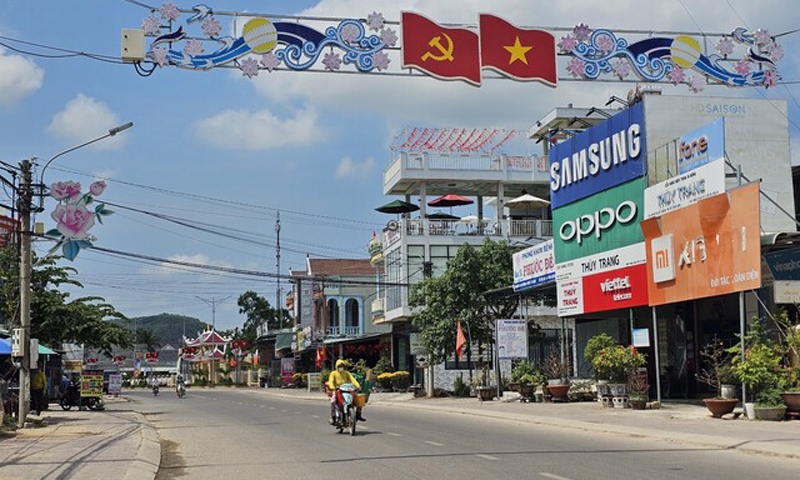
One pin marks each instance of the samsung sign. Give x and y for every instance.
(606, 155)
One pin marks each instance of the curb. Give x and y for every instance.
(148, 455)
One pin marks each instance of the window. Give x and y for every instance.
(333, 316)
(414, 263)
(440, 255)
(351, 316)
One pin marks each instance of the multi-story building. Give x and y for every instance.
(331, 303)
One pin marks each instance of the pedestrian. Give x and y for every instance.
(38, 386)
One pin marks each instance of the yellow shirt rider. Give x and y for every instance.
(336, 379)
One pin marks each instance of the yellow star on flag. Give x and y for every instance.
(517, 52)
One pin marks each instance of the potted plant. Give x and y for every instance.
(769, 404)
(594, 346)
(791, 395)
(556, 372)
(638, 392)
(760, 371)
(527, 377)
(715, 373)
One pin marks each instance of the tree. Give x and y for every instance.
(54, 318)
(148, 338)
(259, 312)
(459, 294)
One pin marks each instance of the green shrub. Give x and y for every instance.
(460, 389)
(593, 347)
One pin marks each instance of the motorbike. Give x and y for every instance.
(72, 398)
(155, 390)
(345, 409)
(180, 390)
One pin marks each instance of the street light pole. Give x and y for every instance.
(25, 206)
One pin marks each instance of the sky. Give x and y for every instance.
(216, 150)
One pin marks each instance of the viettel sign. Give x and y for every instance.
(603, 222)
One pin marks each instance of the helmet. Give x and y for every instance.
(341, 363)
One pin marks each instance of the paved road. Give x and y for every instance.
(222, 432)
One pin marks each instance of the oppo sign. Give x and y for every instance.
(594, 224)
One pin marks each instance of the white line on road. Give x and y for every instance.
(284, 410)
(263, 406)
(392, 434)
(486, 457)
(272, 408)
(553, 476)
(434, 443)
(314, 416)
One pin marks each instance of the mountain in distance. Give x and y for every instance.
(168, 328)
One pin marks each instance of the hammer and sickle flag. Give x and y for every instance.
(518, 53)
(445, 53)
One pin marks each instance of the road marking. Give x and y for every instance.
(263, 406)
(297, 413)
(486, 457)
(272, 408)
(314, 416)
(434, 443)
(553, 476)
(284, 410)
(392, 434)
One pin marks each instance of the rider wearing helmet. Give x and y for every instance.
(336, 379)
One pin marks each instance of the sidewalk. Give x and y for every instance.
(116, 443)
(675, 421)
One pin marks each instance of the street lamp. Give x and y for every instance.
(25, 206)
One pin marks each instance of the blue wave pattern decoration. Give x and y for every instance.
(653, 59)
(297, 46)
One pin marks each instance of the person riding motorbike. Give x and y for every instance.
(153, 382)
(335, 380)
(180, 386)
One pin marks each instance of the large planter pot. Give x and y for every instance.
(486, 393)
(792, 400)
(527, 392)
(770, 413)
(558, 392)
(637, 403)
(720, 406)
(557, 381)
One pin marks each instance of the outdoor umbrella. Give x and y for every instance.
(442, 216)
(450, 200)
(398, 206)
(527, 201)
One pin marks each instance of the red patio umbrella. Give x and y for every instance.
(450, 200)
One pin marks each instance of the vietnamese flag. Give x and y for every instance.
(446, 53)
(461, 340)
(518, 53)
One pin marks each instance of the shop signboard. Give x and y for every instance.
(114, 384)
(287, 371)
(533, 266)
(785, 268)
(707, 249)
(683, 190)
(701, 146)
(512, 339)
(602, 222)
(92, 383)
(605, 281)
(599, 158)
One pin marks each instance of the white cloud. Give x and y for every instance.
(173, 269)
(84, 119)
(348, 168)
(262, 130)
(20, 78)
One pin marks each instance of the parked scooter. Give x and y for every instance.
(345, 410)
(72, 398)
(155, 390)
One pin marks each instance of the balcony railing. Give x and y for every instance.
(513, 228)
(336, 331)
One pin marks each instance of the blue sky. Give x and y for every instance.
(218, 149)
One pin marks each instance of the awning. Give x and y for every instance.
(331, 341)
(5, 348)
(46, 351)
(283, 340)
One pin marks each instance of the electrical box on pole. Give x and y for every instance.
(16, 349)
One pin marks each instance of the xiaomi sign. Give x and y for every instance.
(706, 249)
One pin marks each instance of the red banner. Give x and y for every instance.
(446, 53)
(518, 53)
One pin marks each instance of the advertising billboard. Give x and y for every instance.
(533, 266)
(605, 281)
(701, 146)
(710, 248)
(601, 157)
(605, 221)
(683, 190)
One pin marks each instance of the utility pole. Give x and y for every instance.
(25, 200)
(213, 302)
(278, 311)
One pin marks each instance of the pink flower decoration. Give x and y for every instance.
(581, 32)
(211, 26)
(332, 61)
(725, 46)
(193, 48)
(762, 36)
(375, 21)
(382, 61)
(697, 83)
(270, 61)
(73, 220)
(576, 67)
(350, 33)
(775, 52)
(677, 75)
(568, 43)
(97, 188)
(770, 78)
(605, 43)
(151, 25)
(249, 68)
(159, 56)
(621, 67)
(169, 11)
(65, 190)
(742, 67)
(388, 37)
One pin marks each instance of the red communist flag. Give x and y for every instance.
(447, 53)
(461, 340)
(518, 53)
